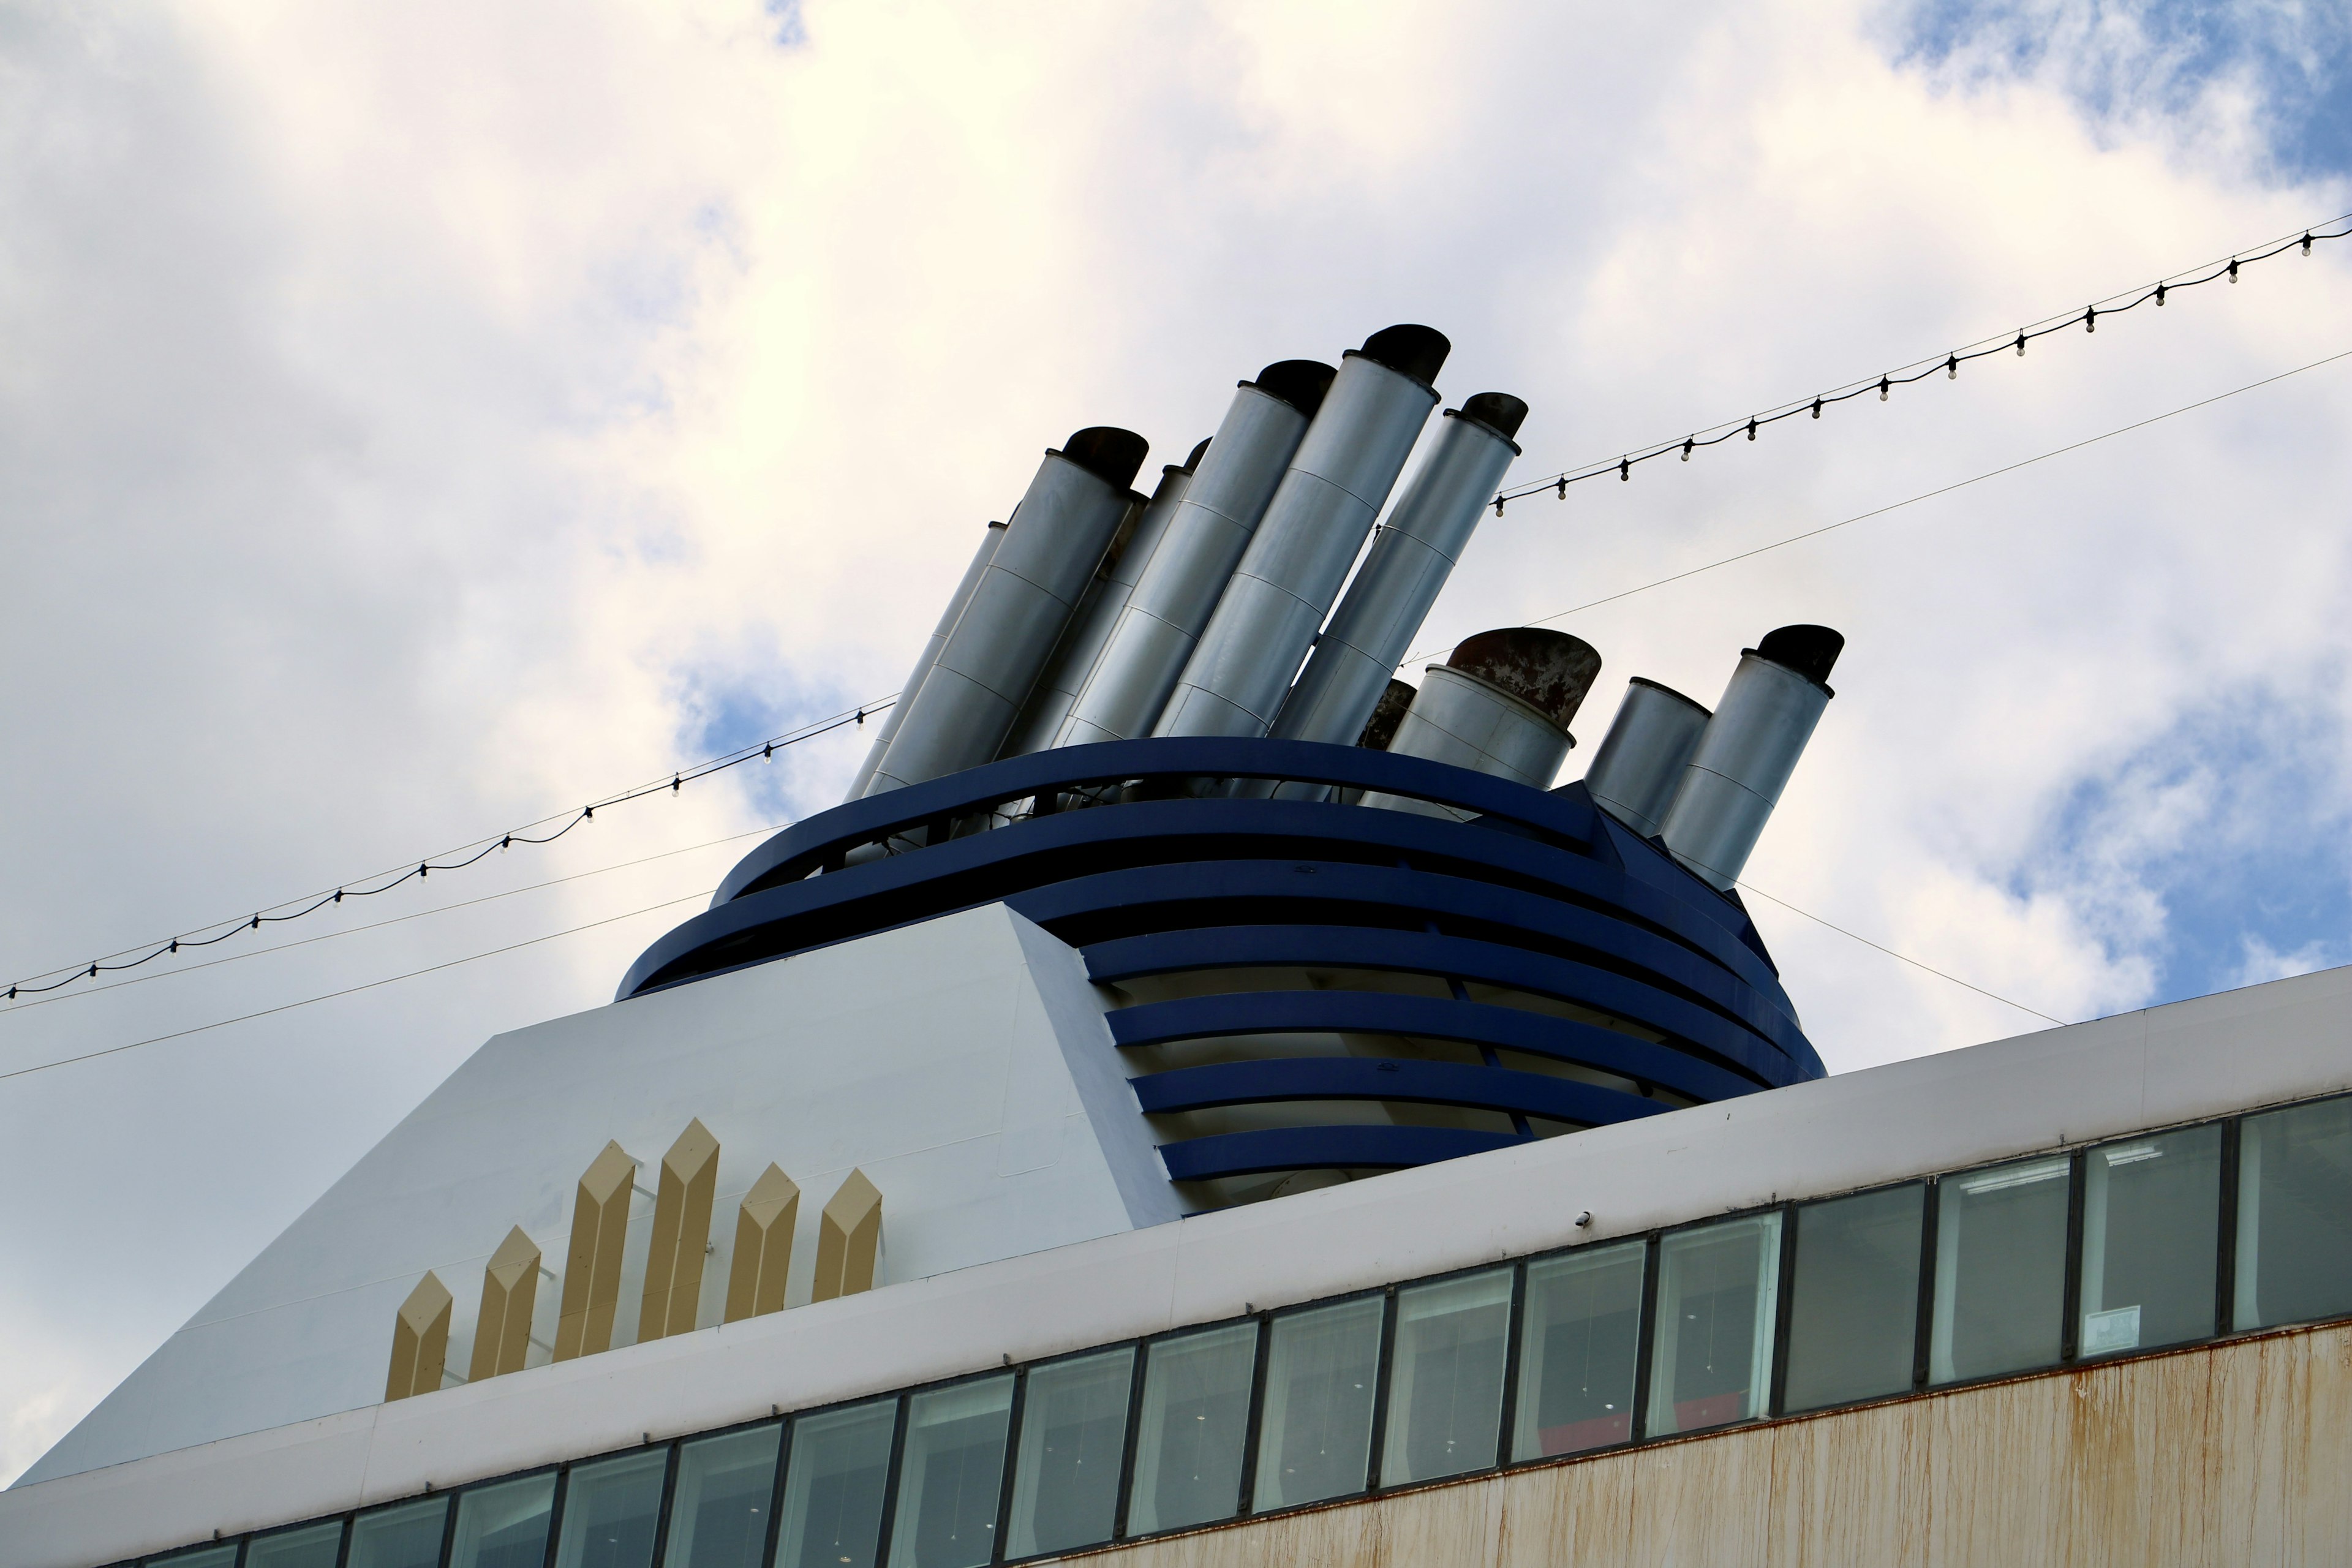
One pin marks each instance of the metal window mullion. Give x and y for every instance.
(776, 1493)
(1923, 1328)
(661, 1515)
(1385, 1370)
(1784, 1309)
(343, 1546)
(1513, 1329)
(1012, 1417)
(1134, 1429)
(554, 1515)
(2077, 1180)
(2225, 1235)
(1646, 1327)
(450, 1525)
(902, 1416)
(1256, 1412)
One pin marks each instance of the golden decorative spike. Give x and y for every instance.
(420, 1340)
(591, 1275)
(848, 1237)
(689, 1180)
(509, 1295)
(764, 1245)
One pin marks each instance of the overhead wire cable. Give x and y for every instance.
(1949, 361)
(395, 920)
(346, 991)
(1922, 496)
(1938, 973)
(221, 931)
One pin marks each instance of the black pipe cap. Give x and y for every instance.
(1301, 383)
(1497, 411)
(1811, 651)
(1112, 455)
(1408, 350)
(1193, 461)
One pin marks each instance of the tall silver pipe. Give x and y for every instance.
(1179, 589)
(914, 681)
(1017, 611)
(1500, 704)
(1750, 747)
(1074, 659)
(1411, 558)
(1638, 763)
(1235, 682)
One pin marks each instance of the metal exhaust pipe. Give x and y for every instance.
(1387, 714)
(1749, 748)
(1639, 764)
(1017, 611)
(914, 681)
(1234, 681)
(1412, 556)
(1500, 704)
(1089, 633)
(1211, 527)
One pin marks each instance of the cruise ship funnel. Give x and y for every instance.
(930, 655)
(1748, 750)
(1638, 763)
(1178, 589)
(1411, 556)
(1017, 611)
(1500, 704)
(1235, 680)
(1107, 598)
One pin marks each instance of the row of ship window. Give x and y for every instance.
(2128, 1246)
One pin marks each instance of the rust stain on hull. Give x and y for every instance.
(2223, 1455)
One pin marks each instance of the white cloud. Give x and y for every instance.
(418, 419)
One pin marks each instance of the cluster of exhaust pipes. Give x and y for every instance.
(1095, 613)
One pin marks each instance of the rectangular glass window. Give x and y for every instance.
(719, 1518)
(1315, 1439)
(2294, 1215)
(407, 1536)
(1187, 1451)
(1445, 1380)
(310, 1546)
(2001, 1270)
(504, 1526)
(1854, 1298)
(1711, 1356)
(1073, 1433)
(221, 1556)
(1583, 1334)
(2151, 1230)
(611, 1510)
(833, 1486)
(952, 1475)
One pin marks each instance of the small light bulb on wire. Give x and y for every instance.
(2021, 345)
(2159, 296)
(1883, 384)
(1752, 426)
(1817, 408)
(1688, 442)
(1951, 367)
(2233, 269)
(2091, 317)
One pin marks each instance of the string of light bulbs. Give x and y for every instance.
(2087, 318)
(455, 860)
(2335, 228)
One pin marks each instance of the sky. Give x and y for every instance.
(418, 420)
